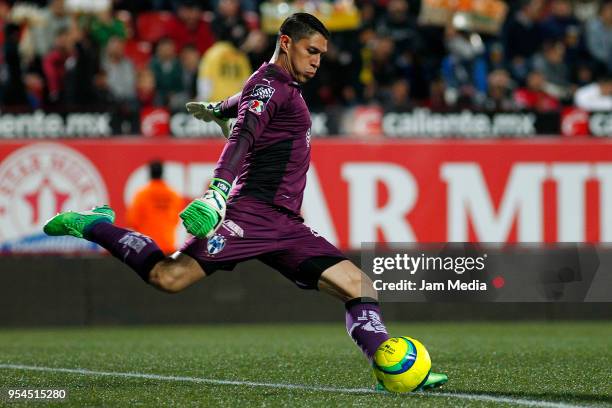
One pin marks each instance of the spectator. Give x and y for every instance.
(257, 47)
(349, 97)
(354, 62)
(120, 78)
(575, 52)
(519, 68)
(398, 99)
(35, 90)
(464, 69)
(408, 68)
(5, 10)
(368, 14)
(54, 64)
(378, 67)
(223, 70)
(390, 51)
(145, 88)
(559, 21)
(551, 63)
(228, 23)
(437, 95)
(521, 37)
(599, 36)
(399, 25)
(533, 95)
(53, 20)
(13, 89)
(596, 96)
(102, 91)
(499, 92)
(246, 5)
(583, 74)
(326, 86)
(104, 26)
(496, 56)
(190, 28)
(155, 208)
(119, 71)
(81, 69)
(167, 70)
(190, 58)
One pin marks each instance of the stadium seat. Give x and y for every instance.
(153, 25)
(139, 52)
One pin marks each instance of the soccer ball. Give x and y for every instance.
(401, 364)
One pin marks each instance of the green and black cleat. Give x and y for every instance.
(74, 223)
(434, 380)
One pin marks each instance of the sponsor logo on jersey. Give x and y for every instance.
(256, 106)
(216, 243)
(315, 233)
(261, 95)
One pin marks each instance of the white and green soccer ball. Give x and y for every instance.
(401, 364)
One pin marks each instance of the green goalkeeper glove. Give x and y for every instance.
(203, 216)
(210, 111)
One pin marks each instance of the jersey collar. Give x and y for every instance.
(280, 73)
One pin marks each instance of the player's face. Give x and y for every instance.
(305, 56)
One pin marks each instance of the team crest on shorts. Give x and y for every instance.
(216, 243)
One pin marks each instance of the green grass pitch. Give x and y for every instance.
(489, 364)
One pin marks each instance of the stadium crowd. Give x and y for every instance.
(133, 54)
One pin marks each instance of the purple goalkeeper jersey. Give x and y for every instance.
(269, 148)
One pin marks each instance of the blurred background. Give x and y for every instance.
(129, 58)
(432, 121)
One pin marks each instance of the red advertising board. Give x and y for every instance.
(503, 191)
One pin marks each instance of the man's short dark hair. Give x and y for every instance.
(302, 25)
(156, 170)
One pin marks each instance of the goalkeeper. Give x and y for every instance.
(267, 156)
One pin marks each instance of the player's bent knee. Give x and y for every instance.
(162, 279)
(174, 274)
(170, 284)
(346, 281)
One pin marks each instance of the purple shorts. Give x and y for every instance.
(279, 238)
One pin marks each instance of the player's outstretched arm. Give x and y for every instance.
(209, 111)
(219, 112)
(204, 215)
(229, 107)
